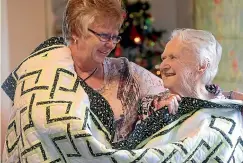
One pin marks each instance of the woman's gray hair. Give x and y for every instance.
(205, 46)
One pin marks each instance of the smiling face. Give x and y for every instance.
(178, 67)
(91, 49)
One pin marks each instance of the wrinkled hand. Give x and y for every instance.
(171, 102)
(234, 95)
(237, 96)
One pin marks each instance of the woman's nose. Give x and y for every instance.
(110, 44)
(164, 66)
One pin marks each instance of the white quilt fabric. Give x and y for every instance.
(52, 121)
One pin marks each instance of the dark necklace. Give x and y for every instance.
(90, 75)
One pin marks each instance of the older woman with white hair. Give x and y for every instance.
(207, 127)
(190, 62)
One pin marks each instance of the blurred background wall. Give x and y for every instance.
(225, 20)
(23, 26)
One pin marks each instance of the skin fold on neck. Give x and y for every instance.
(198, 91)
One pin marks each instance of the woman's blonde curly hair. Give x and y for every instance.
(80, 14)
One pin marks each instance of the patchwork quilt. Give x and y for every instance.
(57, 117)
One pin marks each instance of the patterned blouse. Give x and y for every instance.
(126, 83)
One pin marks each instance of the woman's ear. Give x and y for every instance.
(202, 68)
(74, 39)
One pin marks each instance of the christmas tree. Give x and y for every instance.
(140, 43)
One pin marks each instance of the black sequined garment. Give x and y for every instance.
(161, 118)
(101, 108)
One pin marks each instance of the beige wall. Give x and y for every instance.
(171, 14)
(27, 28)
(5, 102)
(184, 16)
(23, 27)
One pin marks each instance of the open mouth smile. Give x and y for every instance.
(169, 74)
(105, 53)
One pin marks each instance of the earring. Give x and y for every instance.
(75, 41)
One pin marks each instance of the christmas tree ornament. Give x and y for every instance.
(140, 43)
(118, 51)
(137, 40)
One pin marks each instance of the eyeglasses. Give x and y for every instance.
(107, 37)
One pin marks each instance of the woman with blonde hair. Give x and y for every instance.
(91, 30)
(54, 81)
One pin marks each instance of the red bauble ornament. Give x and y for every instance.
(135, 36)
(118, 51)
